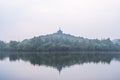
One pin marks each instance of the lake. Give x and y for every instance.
(59, 66)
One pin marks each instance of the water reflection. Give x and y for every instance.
(59, 61)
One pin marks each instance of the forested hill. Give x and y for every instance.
(60, 42)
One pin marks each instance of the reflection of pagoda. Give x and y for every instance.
(59, 31)
(59, 68)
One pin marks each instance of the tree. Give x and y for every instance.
(2, 45)
(13, 45)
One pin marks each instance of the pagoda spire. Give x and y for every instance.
(59, 28)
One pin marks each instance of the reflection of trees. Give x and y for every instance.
(59, 61)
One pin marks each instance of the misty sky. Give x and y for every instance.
(21, 19)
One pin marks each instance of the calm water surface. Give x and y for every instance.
(43, 66)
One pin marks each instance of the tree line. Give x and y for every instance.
(60, 42)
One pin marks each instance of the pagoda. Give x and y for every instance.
(60, 31)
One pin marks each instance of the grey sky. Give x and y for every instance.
(21, 19)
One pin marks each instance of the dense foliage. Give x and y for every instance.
(60, 42)
(116, 41)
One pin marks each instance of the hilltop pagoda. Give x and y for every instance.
(60, 31)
